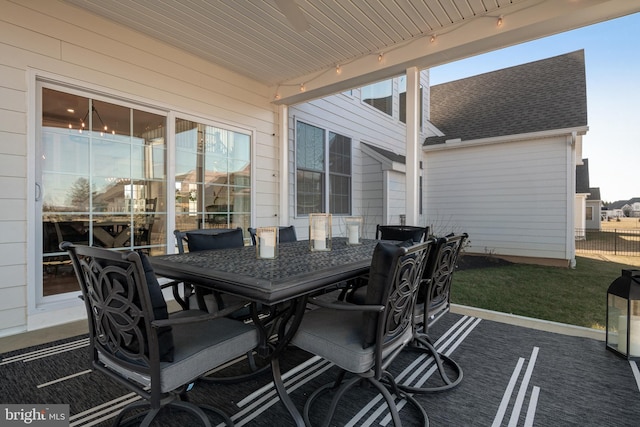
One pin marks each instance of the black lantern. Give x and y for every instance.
(623, 315)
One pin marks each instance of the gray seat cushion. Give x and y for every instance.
(337, 336)
(198, 348)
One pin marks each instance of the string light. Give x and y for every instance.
(433, 38)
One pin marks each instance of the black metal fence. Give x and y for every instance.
(613, 242)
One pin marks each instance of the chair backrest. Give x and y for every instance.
(394, 279)
(182, 236)
(120, 308)
(402, 232)
(438, 275)
(285, 234)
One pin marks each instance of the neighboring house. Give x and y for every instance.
(593, 211)
(624, 208)
(633, 210)
(505, 168)
(582, 193)
(526, 194)
(608, 214)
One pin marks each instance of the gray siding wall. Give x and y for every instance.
(512, 198)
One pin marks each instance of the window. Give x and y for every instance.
(323, 160)
(213, 177)
(589, 213)
(379, 95)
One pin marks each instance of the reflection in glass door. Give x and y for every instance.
(102, 173)
(213, 177)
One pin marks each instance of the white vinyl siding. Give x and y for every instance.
(510, 197)
(58, 42)
(348, 116)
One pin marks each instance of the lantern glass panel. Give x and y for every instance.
(617, 314)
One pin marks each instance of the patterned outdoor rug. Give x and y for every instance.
(512, 376)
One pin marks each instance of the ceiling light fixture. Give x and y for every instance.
(302, 87)
(433, 38)
(380, 57)
(500, 21)
(338, 69)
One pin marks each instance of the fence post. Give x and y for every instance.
(615, 241)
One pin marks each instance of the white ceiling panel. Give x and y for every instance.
(254, 37)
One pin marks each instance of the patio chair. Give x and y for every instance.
(134, 341)
(213, 301)
(285, 234)
(434, 301)
(207, 239)
(364, 346)
(401, 232)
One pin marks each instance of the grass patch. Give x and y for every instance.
(573, 296)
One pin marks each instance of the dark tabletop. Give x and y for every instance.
(297, 271)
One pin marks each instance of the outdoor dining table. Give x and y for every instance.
(287, 280)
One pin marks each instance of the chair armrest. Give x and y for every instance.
(200, 318)
(341, 305)
(172, 283)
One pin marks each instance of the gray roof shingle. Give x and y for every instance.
(582, 177)
(538, 96)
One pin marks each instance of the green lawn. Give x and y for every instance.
(574, 296)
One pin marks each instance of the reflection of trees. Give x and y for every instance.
(79, 194)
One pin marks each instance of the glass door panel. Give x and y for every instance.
(102, 170)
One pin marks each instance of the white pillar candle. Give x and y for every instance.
(267, 244)
(319, 235)
(634, 335)
(353, 233)
(319, 244)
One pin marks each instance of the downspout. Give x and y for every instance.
(571, 232)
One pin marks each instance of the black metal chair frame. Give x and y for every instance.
(394, 318)
(434, 301)
(119, 313)
(405, 232)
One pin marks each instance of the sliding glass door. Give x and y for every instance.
(101, 174)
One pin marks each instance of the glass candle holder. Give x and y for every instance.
(320, 232)
(354, 229)
(267, 242)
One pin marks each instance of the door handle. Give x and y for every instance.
(38, 192)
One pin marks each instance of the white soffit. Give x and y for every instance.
(255, 39)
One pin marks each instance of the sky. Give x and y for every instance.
(612, 55)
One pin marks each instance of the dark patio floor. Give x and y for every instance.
(513, 375)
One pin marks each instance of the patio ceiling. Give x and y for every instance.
(285, 43)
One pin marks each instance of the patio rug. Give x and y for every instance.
(512, 376)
